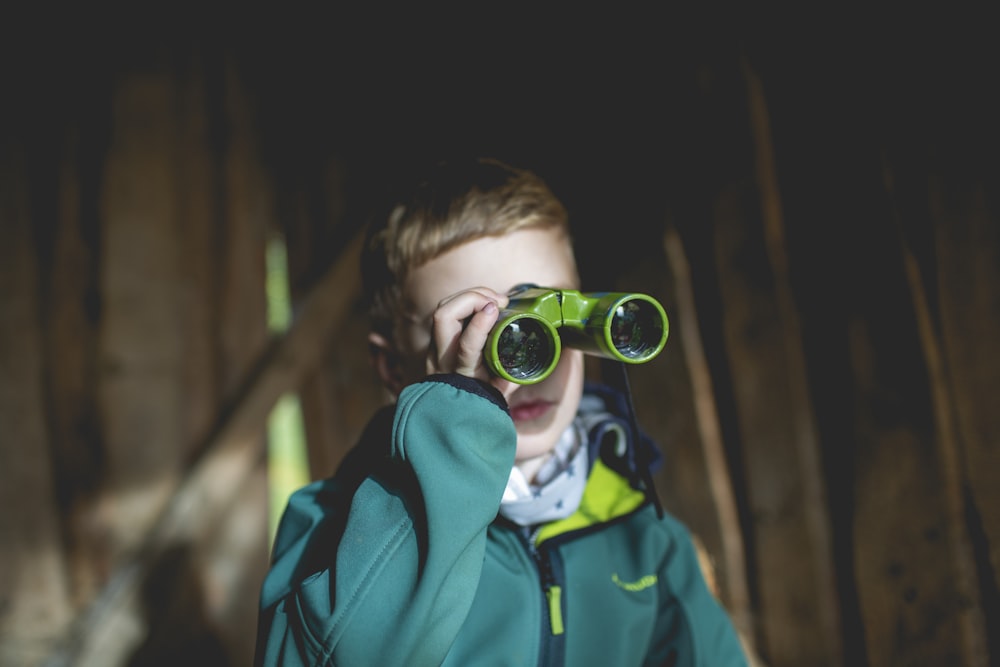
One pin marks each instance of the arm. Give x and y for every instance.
(407, 567)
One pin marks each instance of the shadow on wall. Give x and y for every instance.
(173, 603)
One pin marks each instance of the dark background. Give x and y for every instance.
(858, 336)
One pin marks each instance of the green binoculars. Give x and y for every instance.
(526, 341)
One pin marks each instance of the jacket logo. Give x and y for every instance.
(634, 586)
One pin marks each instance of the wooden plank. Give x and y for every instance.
(665, 407)
(229, 456)
(197, 599)
(35, 605)
(323, 420)
(236, 554)
(968, 261)
(730, 552)
(911, 562)
(351, 390)
(67, 224)
(141, 348)
(796, 590)
(152, 230)
(207, 601)
(312, 212)
(970, 643)
(343, 393)
(796, 580)
(247, 216)
(199, 205)
(675, 404)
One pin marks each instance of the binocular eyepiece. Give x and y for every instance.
(526, 341)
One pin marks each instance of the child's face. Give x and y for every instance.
(451, 288)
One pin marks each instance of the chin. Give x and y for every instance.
(532, 429)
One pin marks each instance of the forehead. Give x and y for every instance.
(543, 256)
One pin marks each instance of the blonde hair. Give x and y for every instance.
(453, 204)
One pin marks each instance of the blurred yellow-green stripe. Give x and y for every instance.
(287, 459)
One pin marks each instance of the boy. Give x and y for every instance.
(482, 522)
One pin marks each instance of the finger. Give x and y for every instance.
(449, 322)
(471, 342)
(483, 293)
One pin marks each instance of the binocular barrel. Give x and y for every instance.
(525, 344)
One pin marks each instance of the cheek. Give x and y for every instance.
(412, 337)
(413, 343)
(568, 378)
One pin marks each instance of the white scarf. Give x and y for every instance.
(558, 486)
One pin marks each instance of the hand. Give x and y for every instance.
(459, 328)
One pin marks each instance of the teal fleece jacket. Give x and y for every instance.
(401, 559)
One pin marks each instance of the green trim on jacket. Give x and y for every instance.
(607, 496)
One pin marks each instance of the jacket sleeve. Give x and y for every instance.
(395, 587)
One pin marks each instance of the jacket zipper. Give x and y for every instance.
(552, 590)
(551, 638)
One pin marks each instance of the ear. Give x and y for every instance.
(387, 361)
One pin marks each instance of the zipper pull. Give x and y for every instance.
(553, 592)
(554, 596)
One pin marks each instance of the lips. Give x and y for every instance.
(529, 410)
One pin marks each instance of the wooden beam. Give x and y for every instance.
(798, 597)
(958, 564)
(35, 605)
(736, 591)
(228, 457)
(967, 245)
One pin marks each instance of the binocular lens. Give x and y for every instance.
(636, 328)
(523, 349)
